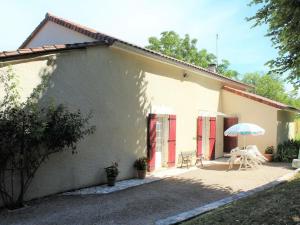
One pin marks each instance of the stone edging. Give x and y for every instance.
(213, 205)
(124, 184)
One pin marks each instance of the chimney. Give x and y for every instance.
(212, 67)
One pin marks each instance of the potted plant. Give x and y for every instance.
(141, 166)
(269, 153)
(112, 173)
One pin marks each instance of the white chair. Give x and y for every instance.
(247, 159)
(253, 160)
(259, 157)
(234, 155)
(296, 162)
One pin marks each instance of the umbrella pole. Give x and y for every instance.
(244, 142)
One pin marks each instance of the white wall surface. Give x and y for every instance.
(120, 88)
(52, 33)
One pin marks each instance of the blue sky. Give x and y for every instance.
(135, 20)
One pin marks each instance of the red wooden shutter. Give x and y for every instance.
(172, 141)
(212, 137)
(199, 135)
(152, 119)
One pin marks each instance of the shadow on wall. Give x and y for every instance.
(282, 131)
(114, 89)
(284, 126)
(138, 205)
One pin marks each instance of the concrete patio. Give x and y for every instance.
(145, 204)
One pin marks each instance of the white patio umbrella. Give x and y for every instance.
(244, 129)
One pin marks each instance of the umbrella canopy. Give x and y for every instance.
(244, 129)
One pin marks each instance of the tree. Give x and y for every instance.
(29, 134)
(272, 87)
(185, 49)
(223, 69)
(283, 20)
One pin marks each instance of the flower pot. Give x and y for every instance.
(111, 181)
(269, 157)
(141, 174)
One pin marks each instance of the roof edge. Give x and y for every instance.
(47, 49)
(261, 99)
(179, 63)
(101, 36)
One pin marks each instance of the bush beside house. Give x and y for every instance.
(287, 151)
(29, 134)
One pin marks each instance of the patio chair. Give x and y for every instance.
(252, 159)
(186, 158)
(234, 155)
(296, 162)
(259, 157)
(245, 158)
(199, 159)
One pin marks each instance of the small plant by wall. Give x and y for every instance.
(111, 173)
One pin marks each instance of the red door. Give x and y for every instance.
(172, 141)
(151, 141)
(199, 135)
(212, 137)
(230, 142)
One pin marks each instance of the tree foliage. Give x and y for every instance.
(271, 86)
(185, 49)
(283, 20)
(29, 134)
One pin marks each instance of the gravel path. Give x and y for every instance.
(146, 203)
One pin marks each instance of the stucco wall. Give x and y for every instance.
(121, 89)
(52, 33)
(250, 111)
(285, 126)
(185, 97)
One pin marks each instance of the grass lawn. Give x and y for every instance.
(279, 205)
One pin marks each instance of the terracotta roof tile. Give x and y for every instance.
(260, 99)
(60, 46)
(102, 39)
(10, 53)
(109, 40)
(26, 50)
(37, 49)
(47, 49)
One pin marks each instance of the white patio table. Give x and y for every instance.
(247, 158)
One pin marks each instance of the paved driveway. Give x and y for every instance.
(146, 203)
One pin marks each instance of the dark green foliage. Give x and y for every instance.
(185, 49)
(113, 170)
(287, 151)
(29, 134)
(283, 20)
(141, 163)
(64, 128)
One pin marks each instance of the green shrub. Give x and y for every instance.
(287, 151)
(140, 163)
